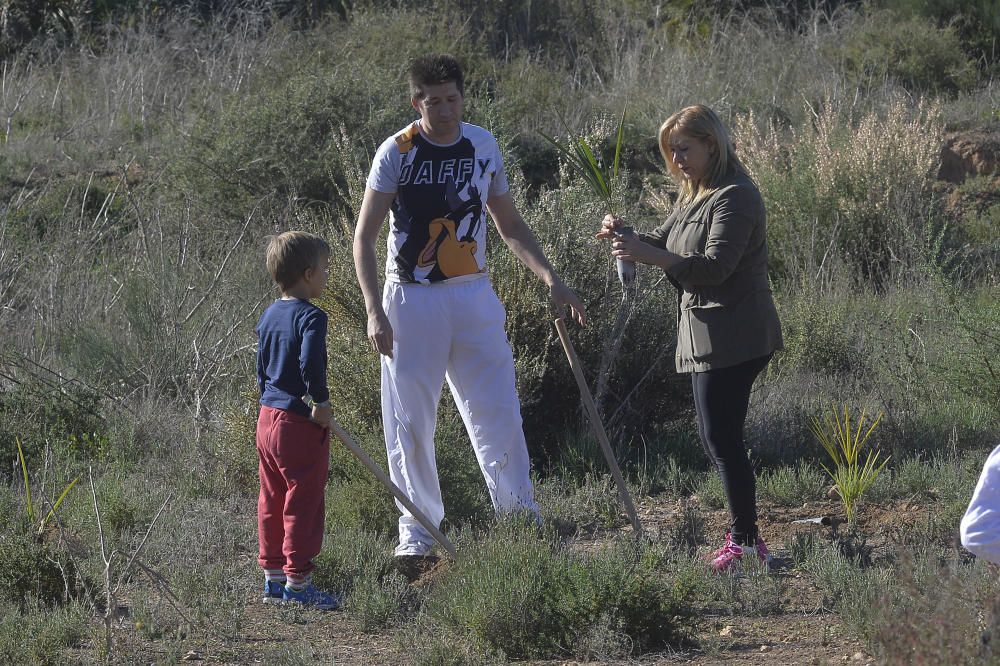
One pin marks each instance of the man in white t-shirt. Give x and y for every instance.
(439, 316)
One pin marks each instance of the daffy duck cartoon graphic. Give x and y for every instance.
(454, 256)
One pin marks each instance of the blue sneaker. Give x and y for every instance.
(312, 597)
(273, 592)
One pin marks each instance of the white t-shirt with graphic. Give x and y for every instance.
(438, 219)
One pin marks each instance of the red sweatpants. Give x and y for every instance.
(294, 457)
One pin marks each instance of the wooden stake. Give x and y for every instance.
(598, 426)
(366, 460)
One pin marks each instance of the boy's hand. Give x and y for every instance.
(321, 414)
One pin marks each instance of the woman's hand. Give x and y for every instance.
(608, 226)
(631, 248)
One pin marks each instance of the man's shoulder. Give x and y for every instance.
(403, 139)
(477, 134)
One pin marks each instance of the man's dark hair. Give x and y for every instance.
(434, 69)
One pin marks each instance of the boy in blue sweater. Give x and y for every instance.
(293, 438)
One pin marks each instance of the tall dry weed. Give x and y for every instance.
(853, 191)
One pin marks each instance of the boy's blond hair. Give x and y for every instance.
(288, 255)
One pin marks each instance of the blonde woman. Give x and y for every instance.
(714, 251)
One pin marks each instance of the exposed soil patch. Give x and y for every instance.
(422, 571)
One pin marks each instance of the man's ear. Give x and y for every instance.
(415, 103)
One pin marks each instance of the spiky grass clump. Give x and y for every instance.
(844, 444)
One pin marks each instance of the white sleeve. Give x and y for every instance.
(384, 174)
(980, 528)
(499, 184)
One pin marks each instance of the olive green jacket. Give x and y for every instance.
(725, 311)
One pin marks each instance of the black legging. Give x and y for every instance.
(721, 400)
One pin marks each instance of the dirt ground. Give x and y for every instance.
(799, 631)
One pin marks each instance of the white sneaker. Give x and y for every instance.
(412, 549)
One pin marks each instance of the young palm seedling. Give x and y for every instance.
(582, 160)
(28, 503)
(844, 443)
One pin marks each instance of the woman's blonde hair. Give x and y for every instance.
(700, 122)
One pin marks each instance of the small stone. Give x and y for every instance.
(726, 631)
(858, 656)
(765, 648)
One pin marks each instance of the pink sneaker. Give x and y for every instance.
(726, 543)
(763, 552)
(731, 553)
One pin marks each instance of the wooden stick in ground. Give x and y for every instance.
(598, 426)
(383, 478)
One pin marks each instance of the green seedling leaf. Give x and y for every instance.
(27, 484)
(619, 140)
(581, 159)
(59, 501)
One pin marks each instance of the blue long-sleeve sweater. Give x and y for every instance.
(291, 355)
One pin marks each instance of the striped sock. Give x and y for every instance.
(298, 583)
(274, 575)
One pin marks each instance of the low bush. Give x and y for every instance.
(37, 633)
(849, 586)
(360, 565)
(70, 424)
(517, 594)
(912, 49)
(35, 569)
(792, 486)
(710, 491)
(580, 507)
(938, 613)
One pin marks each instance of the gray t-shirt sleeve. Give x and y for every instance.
(384, 174)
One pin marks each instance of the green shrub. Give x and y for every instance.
(35, 569)
(519, 595)
(666, 474)
(911, 49)
(711, 494)
(35, 633)
(938, 613)
(792, 486)
(71, 424)
(580, 507)
(360, 564)
(848, 587)
(803, 547)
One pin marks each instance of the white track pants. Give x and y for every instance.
(454, 331)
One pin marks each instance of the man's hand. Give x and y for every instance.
(380, 333)
(563, 296)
